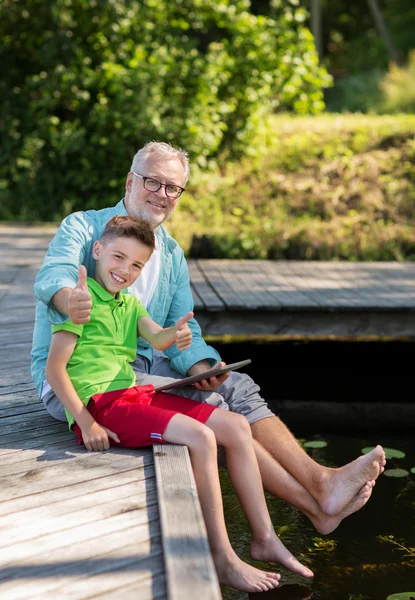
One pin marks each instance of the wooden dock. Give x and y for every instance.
(305, 299)
(75, 524)
(83, 525)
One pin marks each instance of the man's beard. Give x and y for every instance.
(154, 220)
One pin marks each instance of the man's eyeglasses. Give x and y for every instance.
(152, 185)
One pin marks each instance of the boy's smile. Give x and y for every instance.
(119, 262)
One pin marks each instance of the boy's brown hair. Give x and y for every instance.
(131, 227)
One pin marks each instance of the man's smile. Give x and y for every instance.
(157, 204)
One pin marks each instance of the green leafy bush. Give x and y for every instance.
(398, 87)
(377, 91)
(332, 187)
(85, 83)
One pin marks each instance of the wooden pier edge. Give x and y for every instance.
(190, 571)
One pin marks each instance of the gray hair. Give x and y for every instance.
(162, 149)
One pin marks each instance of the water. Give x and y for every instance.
(357, 565)
(351, 563)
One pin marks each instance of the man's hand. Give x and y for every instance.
(80, 301)
(207, 385)
(183, 333)
(95, 437)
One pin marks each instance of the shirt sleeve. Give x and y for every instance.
(66, 252)
(182, 303)
(69, 326)
(141, 311)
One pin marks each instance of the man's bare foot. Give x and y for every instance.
(273, 550)
(337, 487)
(325, 524)
(243, 577)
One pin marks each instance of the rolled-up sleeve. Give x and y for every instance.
(182, 303)
(66, 252)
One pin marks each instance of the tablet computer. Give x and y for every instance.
(213, 372)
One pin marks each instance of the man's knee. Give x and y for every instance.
(54, 406)
(242, 396)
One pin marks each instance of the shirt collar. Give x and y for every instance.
(103, 294)
(122, 211)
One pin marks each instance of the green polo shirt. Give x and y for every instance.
(106, 345)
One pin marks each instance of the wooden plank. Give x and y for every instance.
(208, 296)
(42, 477)
(108, 479)
(79, 532)
(280, 285)
(219, 279)
(22, 423)
(31, 436)
(28, 408)
(41, 444)
(136, 591)
(61, 516)
(18, 335)
(16, 388)
(190, 573)
(19, 374)
(82, 565)
(127, 559)
(346, 287)
(108, 575)
(248, 284)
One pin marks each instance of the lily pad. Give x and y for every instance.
(315, 444)
(396, 473)
(413, 470)
(389, 452)
(402, 596)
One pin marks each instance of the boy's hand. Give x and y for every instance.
(96, 437)
(80, 301)
(183, 333)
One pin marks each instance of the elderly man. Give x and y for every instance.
(154, 184)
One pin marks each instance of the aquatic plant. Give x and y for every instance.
(389, 452)
(322, 545)
(399, 544)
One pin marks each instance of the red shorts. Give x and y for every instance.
(139, 416)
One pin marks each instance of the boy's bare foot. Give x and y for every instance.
(243, 577)
(326, 524)
(337, 487)
(273, 550)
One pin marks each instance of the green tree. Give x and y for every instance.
(86, 82)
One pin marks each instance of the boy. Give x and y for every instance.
(89, 370)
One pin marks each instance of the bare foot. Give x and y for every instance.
(326, 524)
(242, 576)
(273, 550)
(337, 487)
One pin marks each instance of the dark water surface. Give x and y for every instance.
(351, 563)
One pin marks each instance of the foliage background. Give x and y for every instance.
(85, 83)
(336, 187)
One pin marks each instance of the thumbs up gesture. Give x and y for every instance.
(183, 333)
(80, 301)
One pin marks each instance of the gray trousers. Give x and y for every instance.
(239, 393)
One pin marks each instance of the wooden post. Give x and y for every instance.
(316, 26)
(384, 31)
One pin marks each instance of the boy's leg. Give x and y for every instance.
(334, 490)
(201, 442)
(233, 432)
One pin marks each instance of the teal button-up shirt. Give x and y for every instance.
(71, 247)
